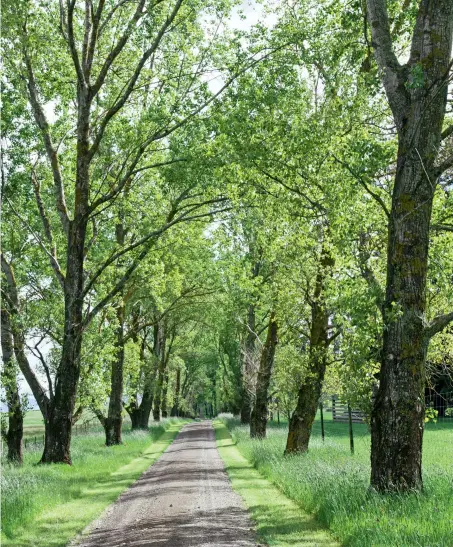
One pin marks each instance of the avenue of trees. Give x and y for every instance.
(198, 216)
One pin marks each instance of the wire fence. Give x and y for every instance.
(31, 442)
(337, 419)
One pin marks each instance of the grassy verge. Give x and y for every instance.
(333, 484)
(279, 520)
(45, 506)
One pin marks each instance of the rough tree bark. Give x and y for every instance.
(309, 393)
(248, 366)
(248, 369)
(114, 421)
(417, 94)
(258, 420)
(13, 436)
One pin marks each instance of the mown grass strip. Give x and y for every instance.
(279, 521)
(333, 484)
(57, 525)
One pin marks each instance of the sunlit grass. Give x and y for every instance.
(279, 521)
(46, 505)
(334, 485)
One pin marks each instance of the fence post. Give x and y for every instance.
(351, 434)
(322, 421)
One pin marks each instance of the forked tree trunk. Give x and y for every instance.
(303, 417)
(57, 447)
(258, 420)
(140, 413)
(14, 434)
(418, 108)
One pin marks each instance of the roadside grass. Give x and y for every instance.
(280, 521)
(332, 484)
(46, 506)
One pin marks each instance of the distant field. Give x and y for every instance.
(34, 422)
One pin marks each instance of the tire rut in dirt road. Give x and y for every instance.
(184, 500)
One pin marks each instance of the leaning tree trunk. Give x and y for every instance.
(258, 420)
(303, 417)
(418, 108)
(114, 421)
(15, 431)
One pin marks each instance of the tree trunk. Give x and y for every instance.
(175, 409)
(19, 341)
(15, 431)
(418, 108)
(303, 417)
(59, 421)
(258, 420)
(114, 420)
(159, 351)
(140, 413)
(164, 397)
(248, 366)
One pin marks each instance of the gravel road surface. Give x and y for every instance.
(185, 499)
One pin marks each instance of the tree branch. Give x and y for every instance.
(444, 166)
(171, 221)
(393, 72)
(442, 227)
(41, 122)
(122, 183)
(40, 356)
(19, 340)
(53, 260)
(360, 180)
(438, 324)
(70, 4)
(447, 132)
(122, 282)
(118, 48)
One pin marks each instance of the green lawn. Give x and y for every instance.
(332, 484)
(279, 521)
(45, 506)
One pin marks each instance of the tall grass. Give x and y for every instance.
(333, 484)
(32, 489)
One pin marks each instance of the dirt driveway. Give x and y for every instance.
(185, 499)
